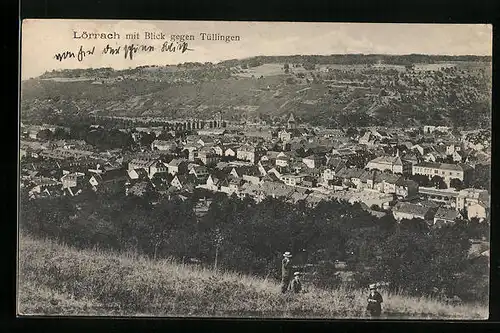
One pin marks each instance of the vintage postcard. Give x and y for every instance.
(254, 169)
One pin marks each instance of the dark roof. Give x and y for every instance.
(115, 174)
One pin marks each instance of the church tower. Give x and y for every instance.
(291, 124)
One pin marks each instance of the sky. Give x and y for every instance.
(42, 39)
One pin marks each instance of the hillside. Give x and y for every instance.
(348, 90)
(59, 280)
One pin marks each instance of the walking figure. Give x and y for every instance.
(286, 271)
(296, 285)
(374, 302)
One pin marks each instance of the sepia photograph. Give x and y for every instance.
(225, 169)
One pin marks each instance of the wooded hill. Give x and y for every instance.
(328, 90)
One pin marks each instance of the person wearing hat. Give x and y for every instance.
(296, 285)
(374, 301)
(286, 271)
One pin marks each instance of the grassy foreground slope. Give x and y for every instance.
(59, 280)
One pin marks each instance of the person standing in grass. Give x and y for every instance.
(296, 284)
(286, 271)
(374, 302)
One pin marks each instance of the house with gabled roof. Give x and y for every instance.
(264, 166)
(212, 183)
(208, 156)
(445, 216)
(274, 172)
(447, 171)
(333, 166)
(205, 141)
(141, 163)
(219, 149)
(74, 183)
(137, 174)
(293, 179)
(351, 176)
(200, 172)
(250, 153)
(423, 148)
(282, 161)
(478, 210)
(313, 161)
(367, 139)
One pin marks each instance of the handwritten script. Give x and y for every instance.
(128, 51)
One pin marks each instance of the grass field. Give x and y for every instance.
(59, 280)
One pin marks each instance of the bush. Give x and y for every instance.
(409, 255)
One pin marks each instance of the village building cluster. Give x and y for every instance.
(386, 170)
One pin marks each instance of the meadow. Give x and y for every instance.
(55, 279)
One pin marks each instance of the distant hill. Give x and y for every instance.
(329, 90)
(59, 280)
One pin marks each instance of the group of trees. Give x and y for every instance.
(437, 182)
(249, 237)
